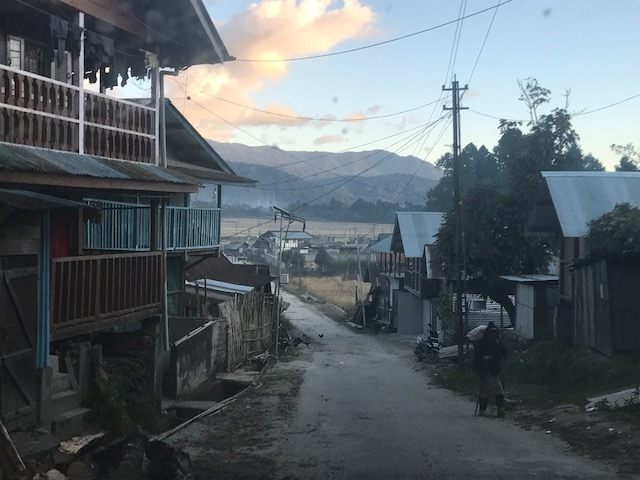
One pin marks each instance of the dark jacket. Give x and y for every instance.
(488, 355)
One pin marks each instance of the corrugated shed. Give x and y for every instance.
(414, 230)
(581, 197)
(39, 160)
(221, 269)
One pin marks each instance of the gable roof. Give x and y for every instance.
(581, 197)
(382, 246)
(189, 153)
(414, 230)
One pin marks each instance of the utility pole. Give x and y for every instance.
(291, 218)
(457, 197)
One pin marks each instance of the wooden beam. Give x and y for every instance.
(110, 12)
(76, 181)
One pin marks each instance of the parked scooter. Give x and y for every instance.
(428, 347)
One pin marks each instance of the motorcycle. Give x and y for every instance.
(428, 348)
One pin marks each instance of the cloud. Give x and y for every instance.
(329, 139)
(269, 29)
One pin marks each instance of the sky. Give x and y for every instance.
(591, 47)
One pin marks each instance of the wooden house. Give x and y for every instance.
(95, 219)
(388, 279)
(591, 309)
(413, 236)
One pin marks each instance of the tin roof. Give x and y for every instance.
(414, 230)
(581, 197)
(222, 287)
(382, 246)
(26, 200)
(44, 161)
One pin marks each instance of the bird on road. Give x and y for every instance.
(321, 335)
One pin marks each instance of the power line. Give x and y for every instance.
(377, 44)
(348, 163)
(573, 114)
(484, 41)
(351, 178)
(307, 118)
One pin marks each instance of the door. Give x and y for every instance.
(19, 378)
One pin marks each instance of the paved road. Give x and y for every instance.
(364, 412)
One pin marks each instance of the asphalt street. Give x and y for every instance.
(364, 411)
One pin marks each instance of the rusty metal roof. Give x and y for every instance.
(27, 200)
(41, 160)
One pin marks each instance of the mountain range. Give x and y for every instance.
(293, 177)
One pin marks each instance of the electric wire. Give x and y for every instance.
(372, 45)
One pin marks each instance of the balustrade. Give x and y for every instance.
(41, 112)
(96, 287)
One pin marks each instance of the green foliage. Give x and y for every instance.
(500, 190)
(324, 261)
(573, 369)
(629, 157)
(293, 260)
(107, 401)
(616, 233)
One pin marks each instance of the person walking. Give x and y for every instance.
(487, 363)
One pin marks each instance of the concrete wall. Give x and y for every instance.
(428, 316)
(193, 360)
(525, 310)
(409, 313)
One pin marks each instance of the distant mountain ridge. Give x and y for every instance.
(280, 176)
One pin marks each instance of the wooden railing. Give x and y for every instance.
(192, 228)
(42, 112)
(124, 226)
(96, 287)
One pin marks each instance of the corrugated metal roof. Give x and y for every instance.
(27, 200)
(40, 160)
(531, 278)
(581, 197)
(222, 287)
(383, 246)
(414, 230)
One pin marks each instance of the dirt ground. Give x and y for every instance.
(608, 436)
(235, 448)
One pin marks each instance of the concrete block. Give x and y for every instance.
(60, 382)
(69, 424)
(65, 401)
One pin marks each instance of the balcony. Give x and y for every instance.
(129, 227)
(192, 228)
(40, 112)
(97, 291)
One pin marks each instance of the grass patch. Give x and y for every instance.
(548, 373)
(333, 289)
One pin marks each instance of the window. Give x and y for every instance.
(15, 52)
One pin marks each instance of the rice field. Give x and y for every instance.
(243, 228)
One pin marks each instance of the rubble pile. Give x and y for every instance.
(97, 457)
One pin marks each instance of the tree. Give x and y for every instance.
(293, 260)
(495, 243)
(498, 206)
(324, 261)
(629, 157)
(616, 233)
